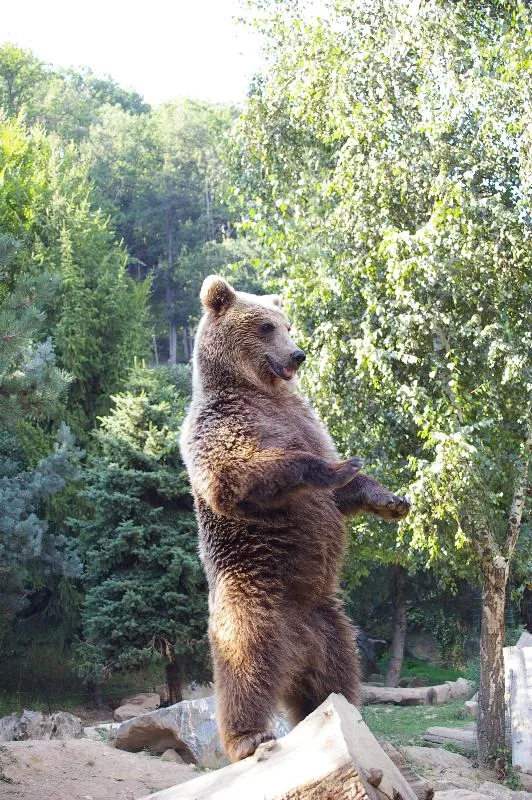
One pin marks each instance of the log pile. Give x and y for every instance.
(331, 755)
(418, 695)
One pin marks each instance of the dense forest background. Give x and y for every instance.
(380, 176)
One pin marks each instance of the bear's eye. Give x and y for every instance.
(267, 327)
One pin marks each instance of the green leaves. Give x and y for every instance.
(407, 266)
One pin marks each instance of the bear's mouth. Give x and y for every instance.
(286, 373)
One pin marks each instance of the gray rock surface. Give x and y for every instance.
(172, 755)
(502, 792)
(461, 794)
(441, 761)
(188, 727)
(525, 640)
(36, 725)
(455, 778)
(471, 707)
(103, 732)
(139, 704)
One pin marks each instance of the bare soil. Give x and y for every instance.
(80, 769)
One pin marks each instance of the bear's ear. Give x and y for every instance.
(273, 299)
(216, 294)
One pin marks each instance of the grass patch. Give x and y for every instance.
(406, 725)
(434, 674)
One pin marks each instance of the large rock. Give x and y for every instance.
(369, 651)
(444, 769)
(134, 706)
(471, 707)
(525, 640)
(36, 725)
(188, 727)
(103, 732)
(501, 792)
(422, 645)
(461, 794)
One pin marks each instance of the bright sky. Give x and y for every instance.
(161, 48)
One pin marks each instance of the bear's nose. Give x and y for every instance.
(298, 356)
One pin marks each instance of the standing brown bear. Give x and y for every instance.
(270, 494)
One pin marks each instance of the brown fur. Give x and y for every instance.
(270, 496)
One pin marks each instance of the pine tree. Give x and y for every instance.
(30, 386)
(145, 589)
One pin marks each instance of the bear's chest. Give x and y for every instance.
(294, 428)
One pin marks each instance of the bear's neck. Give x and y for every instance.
(217, 379)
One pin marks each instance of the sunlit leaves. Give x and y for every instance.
(384, 167)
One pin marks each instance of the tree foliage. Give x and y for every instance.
(145, 588)
(384, 176)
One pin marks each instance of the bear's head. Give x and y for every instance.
(243, 338)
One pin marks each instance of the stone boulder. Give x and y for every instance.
(172, 755)
(471, 707)
(36, 725)
(525, 640)
(188, 727)
(104, 732)
(369, 651)
(139, 704)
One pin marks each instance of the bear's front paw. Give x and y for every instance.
(390, 507)
(240, 747)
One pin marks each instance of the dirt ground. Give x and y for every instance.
(80, 769)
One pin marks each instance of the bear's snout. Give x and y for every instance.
(298, 356)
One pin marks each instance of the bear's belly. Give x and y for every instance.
(298, 559)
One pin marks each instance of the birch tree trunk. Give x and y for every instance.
(490, 724)
(495, 568)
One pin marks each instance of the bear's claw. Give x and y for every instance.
(397, 507)
(244, 746)
(390, 507)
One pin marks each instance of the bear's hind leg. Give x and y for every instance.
(333, 664)
(299, 700)
(248, 654)
(245, 702)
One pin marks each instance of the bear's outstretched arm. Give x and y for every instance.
(366, 495)
(247, 488)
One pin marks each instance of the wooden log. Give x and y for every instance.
(331, 755)
(418, 695)
(518, 695)
(463, 738)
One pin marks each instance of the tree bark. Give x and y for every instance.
(495, 569)
(172, 342)
(174, 683)
(397, 651)
(491, 720)
(94, 692)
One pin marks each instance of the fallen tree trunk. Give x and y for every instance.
(418, 695)
(331, 755)
(464, 739)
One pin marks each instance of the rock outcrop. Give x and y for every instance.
(134, 706)
(188, 727)
(36, 725)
